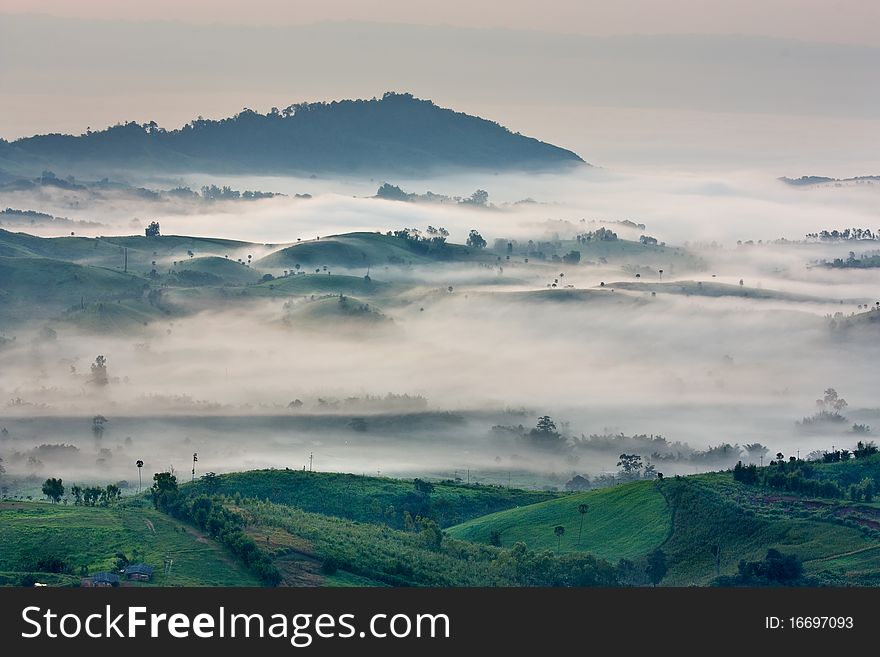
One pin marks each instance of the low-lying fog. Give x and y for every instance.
(421, 393)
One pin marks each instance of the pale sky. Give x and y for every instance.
(835, 21)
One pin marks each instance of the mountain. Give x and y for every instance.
(397, 133)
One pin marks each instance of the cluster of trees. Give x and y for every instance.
(211, 515)
(843, 235)
(776, 568)
(226, 193)
(601, 234)
(865, 261)
(53, 488)
(830, 408)
(391, 192)
(95, 495)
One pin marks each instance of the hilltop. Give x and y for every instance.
(397, 133)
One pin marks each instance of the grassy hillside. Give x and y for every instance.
(367, 499)
(114, 316)
(48, 286)
(361, 250)
(621, 522)
(341, 310)
(707, 512)
(214, 270)
(90, 537)
(837, 540)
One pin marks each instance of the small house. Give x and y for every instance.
(105, 579)
(140, 572)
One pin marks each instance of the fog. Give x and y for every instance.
(419, 390)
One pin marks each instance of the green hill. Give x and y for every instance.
(621, 522)
(89, 537)
(334, 310)
(367, 499)
(837, 540)
(114, 316)
(362, 250)
(214, 270)
(307, 284)
(45, 286)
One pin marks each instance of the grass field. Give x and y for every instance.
(625, 521)
(367, 499)
(90, 537)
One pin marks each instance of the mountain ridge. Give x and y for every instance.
(397, 133)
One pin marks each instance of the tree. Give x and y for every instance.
(559, 530)
(546, 424)
(582, 510)
(476, 240)
(164, 490)
(98, 426)
(630, 465)
(212, 481)
(656, 567)
(139, 464)
(53, 489)
(99, 372)
(495, 538)
(152, 230)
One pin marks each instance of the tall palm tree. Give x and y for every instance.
(139, 465)
(582, 509)
(559, 530)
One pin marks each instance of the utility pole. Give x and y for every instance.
(195, 458)
(310, 461)
(125, 259)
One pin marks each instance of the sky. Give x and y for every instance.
(787, 86)
(834, 21)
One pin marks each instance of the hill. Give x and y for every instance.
(397, 133)
(836, 539)
(368, 499)
(361, 250)
(45, 286)
(621, 522)
(79, 537)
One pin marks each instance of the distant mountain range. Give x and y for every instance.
(395, 134)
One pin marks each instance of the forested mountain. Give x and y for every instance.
(397, 133)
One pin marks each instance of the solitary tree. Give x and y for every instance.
(559, 530)
(152, 230)
(476, 240)
(582, 509)
(99, 372)
(139, 464)
(656, 567)
(53, 489)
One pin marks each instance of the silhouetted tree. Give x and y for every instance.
(559, 530)
(656, 567)
(53, 489)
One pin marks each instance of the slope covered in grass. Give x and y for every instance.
(46, 286)
(625, 521)
(370, 499)
(90, 537)
(362, 250)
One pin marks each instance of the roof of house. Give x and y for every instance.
(139, 569)
(106, 578)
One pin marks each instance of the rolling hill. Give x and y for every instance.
(397, 133)
(88, 538)
(361, 250)
(621, 522)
